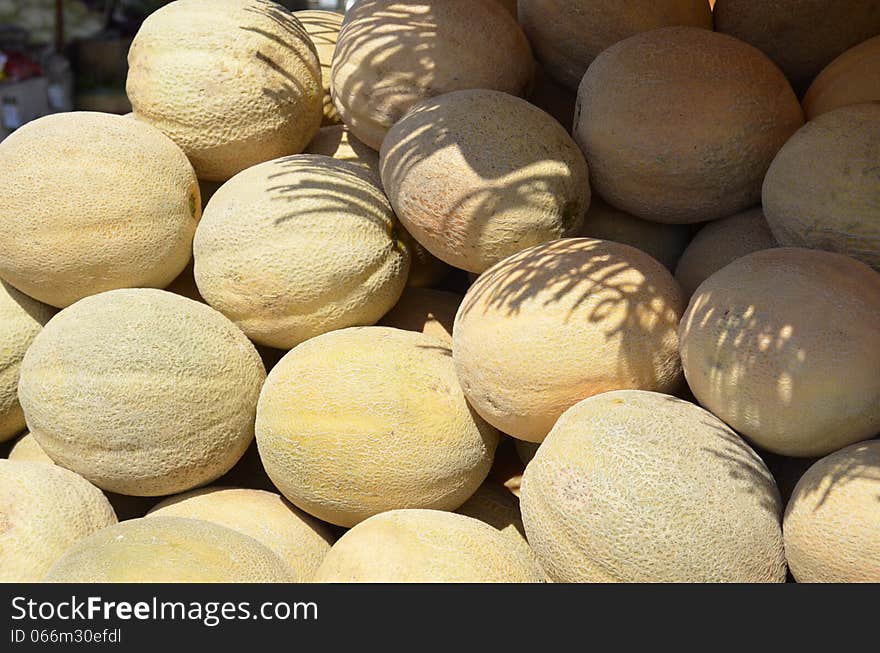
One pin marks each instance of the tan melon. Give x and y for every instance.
(176, 382)
(734, 106)
(44, 510)
(426, 546)
(233, 88)
(635, 486)
(563, 321)
(721, 242)
(169, 550)
(800, 36)
(823, 189)
(323, 28)
(27, 449)
(299, 540)
(117, 207)
(568, 35)
(391, 55)
(478, 175)
(832, 522)
(299, 246)
(784, 345)
(425, 310)
(338, 142)
(364, 420)
(852, 78)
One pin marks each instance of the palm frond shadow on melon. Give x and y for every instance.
(837, 475)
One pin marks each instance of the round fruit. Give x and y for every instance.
(425, 310)
(44, 510)
(852, 78)
(694, 143)
(391, 55)
(141, 391)
(338, 142)
(93, 202)
(426, 546)
(169, 550)
(27, 449)
(823, 189)
(563, 321)
(364, 420)
(832, 522)
(635, 486)
(478, 175)
(784, 345)
(233, 88)
(323, 29)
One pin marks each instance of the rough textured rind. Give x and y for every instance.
(391, 55)
(323, 28)
(44, 510)
(233, 87)
(568, 34)
(141, 391)
(832, 522)
(680, 124)
(784, 345)
(478, 175)
(293, 248)
(169, 550)
(852, 78)
(364, 420)
(635, 486)
(426, 546)
(823, 189)
(338, 142)
(27, 449)
(722, 242)
(93, 202)
(563, 321)
(300, 540)
(427, 311)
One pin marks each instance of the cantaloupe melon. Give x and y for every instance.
(425, 310)
(784, 345)
(27, 449)
(426, 546)
(338, 142)
(44, 510)
(563, 321)
(832, 522)
(478, 175)
(391, 55)
(852, 78)
(141, 391)
(568, 34)
(93, 202)
(169, 550)
(719, 243)
(680, 124)
(233, 87)
(323, 29)
(299, 246)
(823, 189)
(635, 486)
(299, 540)
(368, 419)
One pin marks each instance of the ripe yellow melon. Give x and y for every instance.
(823, 189)
(478, 175)
(567, 35)
(635, 486)
(719, 243)
(425, 310)
(694, 141)
(21, 319)
(299, 246)
(93, 202)
(169, 550)
(364, 420)
(141, 391)
(338, 142)
(391, 55)
(784, 345)
(426, 546)
(44, 510)
(852, 78)
(299, 540)
(800, 36)
(27, 449)
(233, 87)
(832, 522)
(323, 28)
(563, 321)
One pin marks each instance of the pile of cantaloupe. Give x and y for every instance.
(460, 291)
